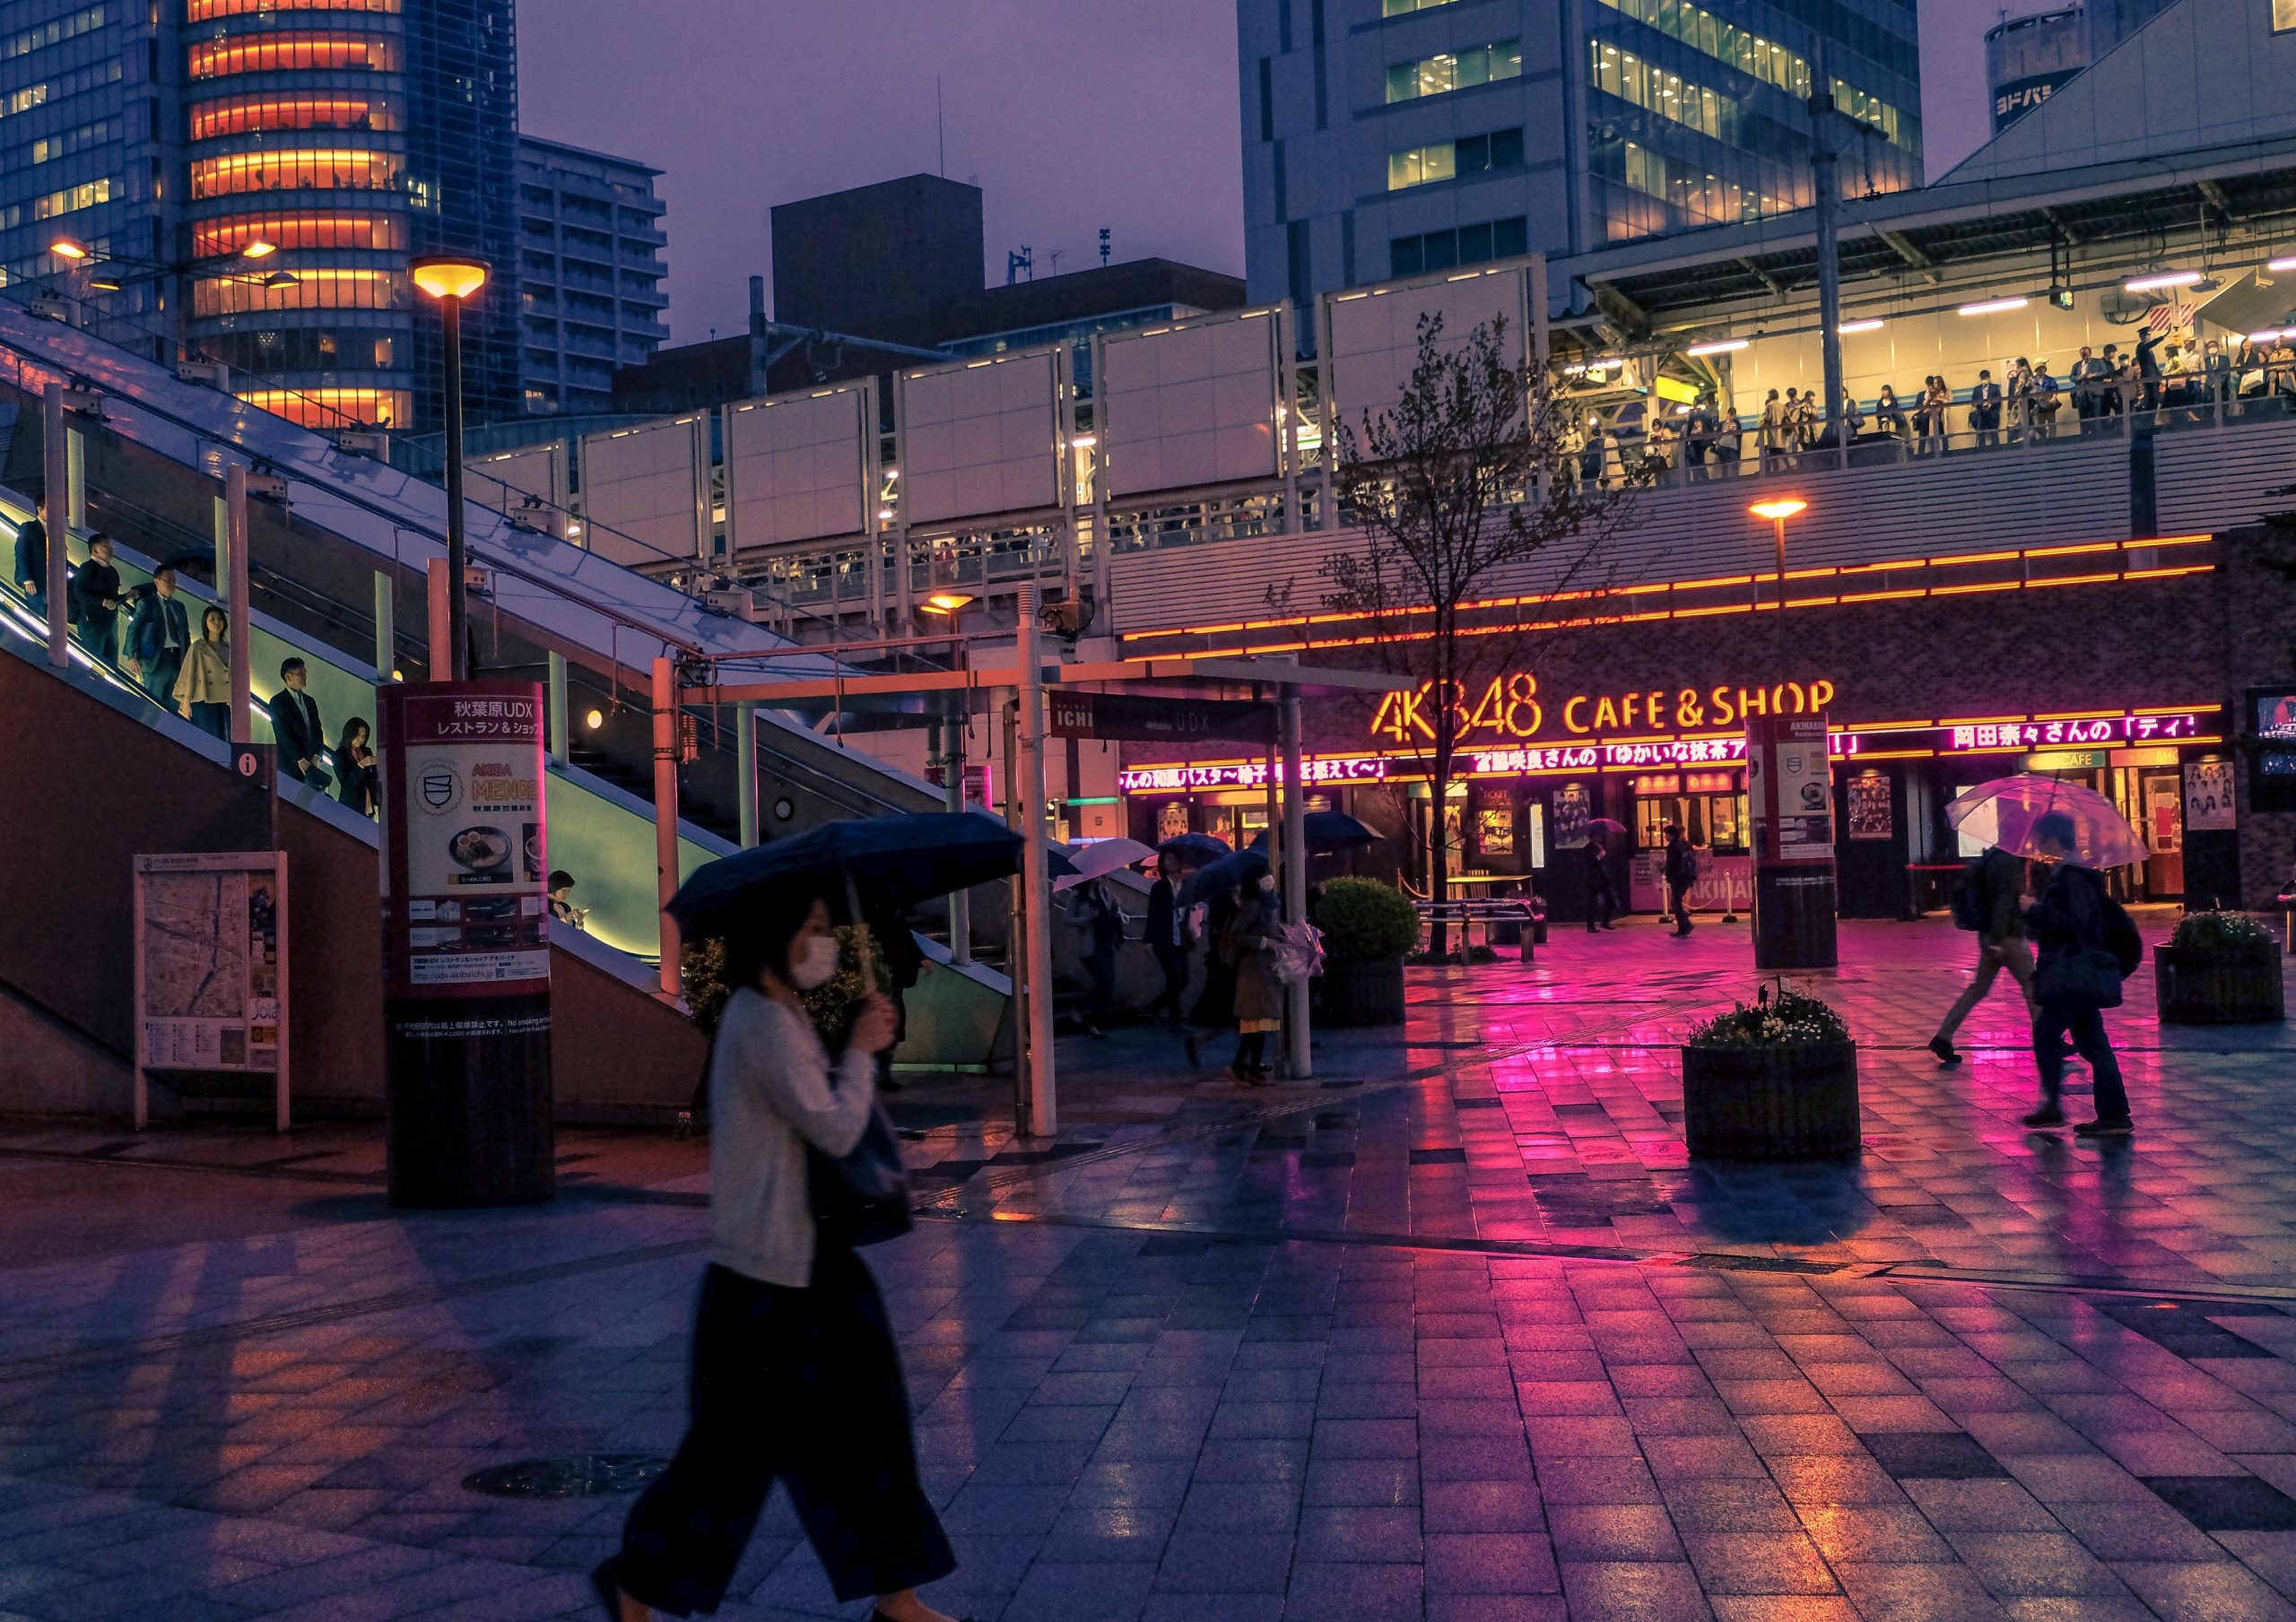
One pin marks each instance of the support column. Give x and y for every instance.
(75, 475)
(55, 472)
(952, 769)
(665, 818)
(1016, 931)
(235, 531)
(1295, 878)
(439, 655)
(555, 699)
(1044, 1115)
(746, 767)
(386, 627)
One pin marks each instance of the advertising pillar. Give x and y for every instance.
(1789, 793)
(465, 943)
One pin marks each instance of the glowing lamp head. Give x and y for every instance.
(594, 719)
(68, 248)
(258, 249)
(1784, 507)
(448, 275)
(947, 602)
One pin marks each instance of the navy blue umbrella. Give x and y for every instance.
(1329, 830)
(1229, 872)
(1196, 848)
(902, 858)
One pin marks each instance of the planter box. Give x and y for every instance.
(2219, 985)
(1770, 1103)
(1359, 991)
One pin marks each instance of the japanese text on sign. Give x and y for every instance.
(2100, 729)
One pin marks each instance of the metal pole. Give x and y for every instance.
(1044, 1115)
(76, 476)
(746, 767)
(57, 475)
(235, 529)
(386, 627)
(1778, 535)
(953, 767)
(1016, 921)
(556, 713)
(1295, 877)
(665, 818)
(1825, 154)
(457, 550)
(439, 600)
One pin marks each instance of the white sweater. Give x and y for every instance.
(770, 1095)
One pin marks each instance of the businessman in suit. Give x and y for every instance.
(157, 637)
(96, 602)
(32, 560)
(295, 725)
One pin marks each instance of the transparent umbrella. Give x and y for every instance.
(2004, 811)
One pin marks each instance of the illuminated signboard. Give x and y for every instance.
(1511, 706)
(1678, 752)
(2108, 730)
(1250, 774)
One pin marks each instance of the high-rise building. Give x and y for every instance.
(1390, 137)
(880, 261)
(2028, 58)
(244, 181)
(590, 272)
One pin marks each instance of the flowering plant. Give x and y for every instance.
(2207, 928)
(1788, 1020)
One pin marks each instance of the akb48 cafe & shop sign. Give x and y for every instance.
(1539, 757)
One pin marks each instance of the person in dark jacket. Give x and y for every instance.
(1168, 938)
(31, 574)
(296, 726)
(1103, 927)
(96, 602)
(1602, 899)
(1681, 873)
(355, 766)
(158, 635)
(1215, 999)
(2000, 879)
(1247, 944)
(2069, 920)
(1985, 409)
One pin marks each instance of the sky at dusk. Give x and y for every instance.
(1070, 115)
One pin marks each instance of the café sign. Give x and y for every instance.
(1250, 774)
(1511, 706)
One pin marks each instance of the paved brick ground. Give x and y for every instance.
(1450, 1332)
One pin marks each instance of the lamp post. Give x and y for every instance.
(451, 279)
(1778, 512)
(100, 276)
(952, 604)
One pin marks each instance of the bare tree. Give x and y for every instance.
(1465, 490)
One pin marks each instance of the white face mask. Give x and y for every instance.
(815, 964)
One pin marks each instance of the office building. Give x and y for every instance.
(2027, 58)
(878, 261)
(243, 181)
(1392, 137)
(590, 271)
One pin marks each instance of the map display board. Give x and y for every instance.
(211, 966)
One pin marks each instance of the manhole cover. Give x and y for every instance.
(582, 1476)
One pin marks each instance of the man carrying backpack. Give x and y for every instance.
(2088, 945)
(1987, 904)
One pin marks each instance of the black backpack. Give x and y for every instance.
(2121, 938)
(1972, 907)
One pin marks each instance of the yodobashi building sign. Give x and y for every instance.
(1248, 774)
(1511, 706)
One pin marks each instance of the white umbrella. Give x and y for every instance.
(1102, 857)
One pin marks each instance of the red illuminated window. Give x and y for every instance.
(275, 53)
(321, 170)
(230, 234)
(246, 115)
(208, 11)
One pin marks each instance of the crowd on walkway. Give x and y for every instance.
(2171, 372)
(187, 673)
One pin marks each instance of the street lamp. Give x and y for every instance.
(450, 278)
(103, 276)
(952, 604)
(1778, 512)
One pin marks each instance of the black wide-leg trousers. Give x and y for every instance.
(801, 1386)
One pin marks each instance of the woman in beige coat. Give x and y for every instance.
(202, 692)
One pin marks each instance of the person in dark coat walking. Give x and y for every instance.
(1681, 873)
(796, 1378)
(2000, 879)
(1215, 1000)
(96, 602)
(158, 634)
(1103, 925)
(1247, 944)
(2069, 921)
(296, 726)
(31, 574)
(1168, 938)
(1602, 899)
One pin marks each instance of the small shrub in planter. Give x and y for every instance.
(1368, 929)
(2219, 968)
(1772, 1079)
(702, 964)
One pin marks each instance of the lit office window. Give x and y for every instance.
(1455, 70)
(318, 170)
(72, 198)
(277, 53)
(206, 11)
(1464, 159)
(230, 233)
(252, 115)
(2284, 14)
(311, 289)
(70, 26)
(1396, 8)
(332, 407)
(1627, 76)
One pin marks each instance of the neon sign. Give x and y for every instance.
(1510, 706)
(2054, 735)
(1250, 774)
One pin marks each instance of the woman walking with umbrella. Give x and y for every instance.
(1246, 945)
